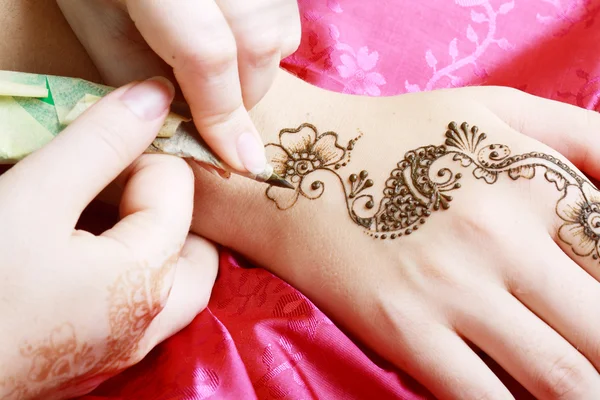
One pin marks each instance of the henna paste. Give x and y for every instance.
(416, 188)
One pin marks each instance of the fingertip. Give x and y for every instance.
(156, 205)
(201, 257)
(251, 152)
(158, 181)
(202, 253)
(191, 290)
(149, 99)
(234, 138)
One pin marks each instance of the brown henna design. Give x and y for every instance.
(62, 361)
(416, 188)
(13, 389)
(299, 153)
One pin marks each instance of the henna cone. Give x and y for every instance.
(35, 108)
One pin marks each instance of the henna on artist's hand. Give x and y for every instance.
(80, 307)
(63, 361)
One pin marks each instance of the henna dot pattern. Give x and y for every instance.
(418, 186)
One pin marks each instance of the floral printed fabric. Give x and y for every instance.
(260, 338)
(545, 47)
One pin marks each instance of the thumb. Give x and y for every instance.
(83, 159)
(194, 279)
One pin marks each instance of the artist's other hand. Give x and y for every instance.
(224, 54)
(76, 308)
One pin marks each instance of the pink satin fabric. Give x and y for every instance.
(260, 338)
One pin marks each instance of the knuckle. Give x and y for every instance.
(439, 274)
(509, 91)
(291, 43)
(506, 91)
(220, 122)
(433, 275)
(215, 58)
(399, 319)
(261, 51)
(478, 221)
(564, 379)
(289, 48)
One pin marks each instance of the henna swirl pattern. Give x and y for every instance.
(62, 362)
(299, 154)
(416, 187)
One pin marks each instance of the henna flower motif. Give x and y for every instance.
(299, 153)
(580, 209)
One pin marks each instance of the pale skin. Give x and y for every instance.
(81, 308)
(76, 308)
(492, 272)
(223, 53)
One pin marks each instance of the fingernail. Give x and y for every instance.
(149, 99)
(251, 153)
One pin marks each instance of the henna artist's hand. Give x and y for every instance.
(430, 240)
(76, 308)
(224, 54)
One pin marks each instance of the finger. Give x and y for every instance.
(73, 168)
(195, 39)
(108, 34)
(442, 362)
(578, 228)
(292, 35)
(156, 208)
(194, 278)
(563, 295)
(265, 32)
(436, 356)
(528, 349)
(572, 131)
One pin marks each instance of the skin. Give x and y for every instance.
(492, 272)
(223, 53)
(81, 308)
(115, 295)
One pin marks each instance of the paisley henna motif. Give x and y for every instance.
(417, 187)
